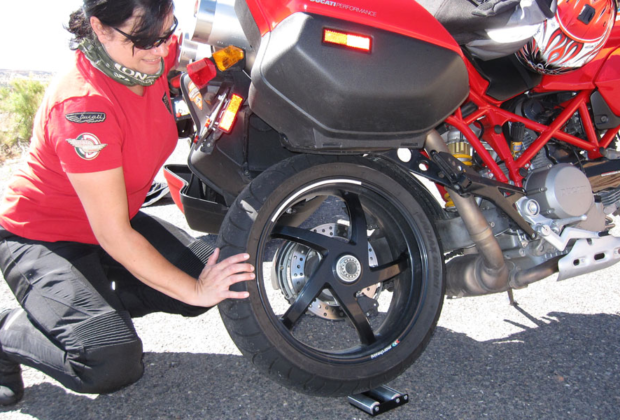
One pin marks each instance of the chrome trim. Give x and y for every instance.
(188, 52)
(217, 24)
(203, 25)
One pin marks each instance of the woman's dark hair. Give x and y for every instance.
(148, 26)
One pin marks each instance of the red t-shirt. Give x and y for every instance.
(87, 123)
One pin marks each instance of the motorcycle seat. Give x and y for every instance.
(458, 17)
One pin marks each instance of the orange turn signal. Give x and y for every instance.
(228, 57)
(229, 116)
(358, 42)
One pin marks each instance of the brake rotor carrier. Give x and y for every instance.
(294, 263)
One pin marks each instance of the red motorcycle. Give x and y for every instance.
(315, 122)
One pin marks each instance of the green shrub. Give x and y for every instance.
(19, 102)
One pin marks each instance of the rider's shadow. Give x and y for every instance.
(567, 366)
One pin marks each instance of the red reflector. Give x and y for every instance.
(358, 42)
(175, 82)
(201, 72)
(175, 183)
(229, 116)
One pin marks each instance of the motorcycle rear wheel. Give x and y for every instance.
(349, 274)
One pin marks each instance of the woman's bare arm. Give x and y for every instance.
(104, 199)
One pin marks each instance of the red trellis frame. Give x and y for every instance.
(491, 115)
(602, 73)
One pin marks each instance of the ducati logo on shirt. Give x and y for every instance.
(86, 117)
(87, 146)
(166, 102)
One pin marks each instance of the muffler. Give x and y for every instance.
(216, 24)
(473, 274)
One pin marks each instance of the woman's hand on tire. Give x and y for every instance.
(213, 285)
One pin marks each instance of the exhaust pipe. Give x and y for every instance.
(521, 279)
(216, 24)
(474, 274)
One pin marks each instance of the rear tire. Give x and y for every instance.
(343, 311)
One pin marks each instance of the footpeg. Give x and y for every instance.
(378, 400)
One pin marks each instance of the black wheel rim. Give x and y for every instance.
(378, 303)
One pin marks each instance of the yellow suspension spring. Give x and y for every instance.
(461, 151)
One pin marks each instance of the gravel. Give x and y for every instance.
(555, 355)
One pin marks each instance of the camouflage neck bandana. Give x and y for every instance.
(98, 56)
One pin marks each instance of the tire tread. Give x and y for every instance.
(240, 318)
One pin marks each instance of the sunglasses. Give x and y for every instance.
(141, 44)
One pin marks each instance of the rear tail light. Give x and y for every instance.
(230, 114)
(345, 39)
(201, 72)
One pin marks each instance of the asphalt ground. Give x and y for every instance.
(554, 356)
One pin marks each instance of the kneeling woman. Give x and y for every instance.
(75, 250)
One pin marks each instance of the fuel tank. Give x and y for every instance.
(326, 98)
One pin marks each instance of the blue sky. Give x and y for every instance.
(32, 34)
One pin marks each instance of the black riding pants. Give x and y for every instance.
(78, 302)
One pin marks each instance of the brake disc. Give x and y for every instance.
(294, 263)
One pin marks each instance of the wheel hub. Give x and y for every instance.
(348, 268)
(294, 263)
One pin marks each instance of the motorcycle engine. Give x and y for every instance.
(562, 191)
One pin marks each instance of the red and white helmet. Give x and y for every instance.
(573, 37)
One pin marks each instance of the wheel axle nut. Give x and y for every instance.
(348, 268)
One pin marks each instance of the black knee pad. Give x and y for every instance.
(112, 368)
(109, 355)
